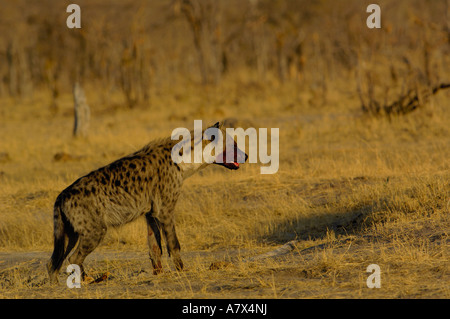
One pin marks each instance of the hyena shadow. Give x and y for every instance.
(350, 222)
(326, 212)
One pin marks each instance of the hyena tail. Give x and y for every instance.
(62, 230)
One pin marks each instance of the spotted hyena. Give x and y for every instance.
(147, 182)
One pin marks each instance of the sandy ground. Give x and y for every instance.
(299, 272)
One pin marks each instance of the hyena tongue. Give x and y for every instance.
(233, 165)
(221, 160)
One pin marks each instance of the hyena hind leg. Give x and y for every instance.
(86, 244)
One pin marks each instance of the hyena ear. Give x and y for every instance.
(218, 125)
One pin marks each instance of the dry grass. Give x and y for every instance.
(360, 190)
(351, 189)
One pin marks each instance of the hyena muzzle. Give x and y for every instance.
(147, 182)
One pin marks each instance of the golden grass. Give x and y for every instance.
(368, 190)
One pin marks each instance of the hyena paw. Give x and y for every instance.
(179, 265)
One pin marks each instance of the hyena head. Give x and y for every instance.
(227, 153)
(199, 149)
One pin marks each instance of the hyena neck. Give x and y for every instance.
(166, 144)
(189, 169)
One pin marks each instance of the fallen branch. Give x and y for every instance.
(410, 102)
(405, 104)
(291, 246)
(280, 251)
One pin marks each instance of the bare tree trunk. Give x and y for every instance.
(12, 70)
(82, 112)
(281, 67)
(448, 20)
(203, 18)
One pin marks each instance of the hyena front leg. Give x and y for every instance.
(154, 242)
(173, 245)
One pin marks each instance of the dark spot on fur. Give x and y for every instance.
(128, 174)
(103, 181)
(117, 183)
(86, 192)
(74, 191)
(132, 166)
(126, 189)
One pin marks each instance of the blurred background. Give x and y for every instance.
(135, 49)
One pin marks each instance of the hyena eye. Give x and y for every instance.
(213, 137)
(181, 152)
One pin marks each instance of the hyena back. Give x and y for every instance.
(146, 182)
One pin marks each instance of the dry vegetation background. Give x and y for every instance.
(357, 184)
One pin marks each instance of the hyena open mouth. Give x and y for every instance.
(239, 157)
